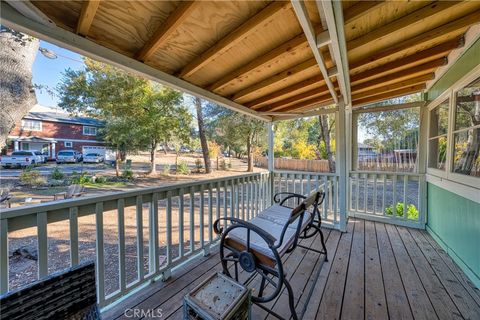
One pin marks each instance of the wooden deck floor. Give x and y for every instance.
(375, 271)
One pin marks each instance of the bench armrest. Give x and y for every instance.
(269, 239)
(289, 195)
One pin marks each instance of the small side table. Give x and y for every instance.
(218, 298)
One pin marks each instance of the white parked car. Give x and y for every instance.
(42, 158)
(21, 158)
(72, 156)
(93, 158)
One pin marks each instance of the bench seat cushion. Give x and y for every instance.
(272, 220)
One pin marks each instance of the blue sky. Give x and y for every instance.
(48, 72)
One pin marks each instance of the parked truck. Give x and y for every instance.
(21, 159)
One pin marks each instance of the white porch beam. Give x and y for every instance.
(323, 39)
(63, 38)
(373, 108)
(333, 13)
(30, 11)
(306, 24)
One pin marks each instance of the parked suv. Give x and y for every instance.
(71, 156)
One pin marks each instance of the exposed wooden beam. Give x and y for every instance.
(310, 104)
(286, 91)
(174, 20)
(393, 86)
(233, 37)
(68, 40)
(29, 10)
(389, 95)
(89, 9)
(304, 20)
(470, 37)
(281, 76)
(360, 9)
(426, 68)
(317, 92)
(398, 106)
(315, 100)
(282, 50)
(304, 114)
(425, 37)
(399, 25)
(333, 12)
(414, 59)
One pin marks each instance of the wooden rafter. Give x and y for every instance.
(318, 80)
(429, 36)
(282, 50)
(315, 111)
(281, 76)
(176, 18)
(401, 24)
(406, 74)
(412, 60)
(360, 9)
(309, 104)
(89, 9)
(233, 38)
(389, 95)
(398, 106)
(317, 92)
(394, 86)
(306, 24)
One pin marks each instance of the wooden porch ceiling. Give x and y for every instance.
(256, 53)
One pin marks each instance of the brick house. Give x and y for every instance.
(50, 130)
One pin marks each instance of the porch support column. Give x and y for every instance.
(271, 162)
(15, 145)
(422, 163)
(343, 135)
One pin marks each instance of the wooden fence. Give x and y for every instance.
(295, 164)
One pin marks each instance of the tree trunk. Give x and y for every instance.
(249, 155)
(203, 137)
(325, 136)
(16, 89)
(153, 158)
(117, 163)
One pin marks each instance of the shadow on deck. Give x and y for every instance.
(375, 271)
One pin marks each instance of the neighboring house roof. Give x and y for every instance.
(64, 118)
(35, 139)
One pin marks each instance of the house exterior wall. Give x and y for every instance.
(452, 219)
(454, 222)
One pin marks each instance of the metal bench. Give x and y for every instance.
(66, 295)
(259, 244)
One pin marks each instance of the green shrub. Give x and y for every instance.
(412, 211)
(57, 174)
(127, 174)
(182, 167)
(31, 178)
(81, 178)
(166, 169)
(100, 180)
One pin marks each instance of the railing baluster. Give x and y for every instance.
(243, 198)
(218, 202)
(309, 187)
(153, 235)
(169, 227)
(139, 219)
(384, 191)
(100, 263)
(4, 256)
(121, 244)
(73, 221)
(237, 198)
(249, 197)
(202, 216)
(335, 199)
(181, 218)
(365, 193)
(192, 220)
(210, 213)
(225, 202)
(42, 244)
(405, 195)
(375, 193)
(325, 199)
(301, 184)
(394, 185)
(357, 191)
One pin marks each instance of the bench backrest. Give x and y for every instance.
(314, 199)
(66, 295)
(73, 191)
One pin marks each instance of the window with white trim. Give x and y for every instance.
(89, 131)
(32, 125)
(437, 136)
(466, 130)
(68, 144)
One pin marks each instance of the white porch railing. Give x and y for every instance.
(171, 224)
(391, 197)
(304, 183)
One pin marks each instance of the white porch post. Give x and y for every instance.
(271, 162)
(15, 145)
(422, 163)
(343, 134)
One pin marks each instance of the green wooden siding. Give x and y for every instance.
(454, 222)
(469, 60)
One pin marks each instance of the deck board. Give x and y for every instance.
(374, 271)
